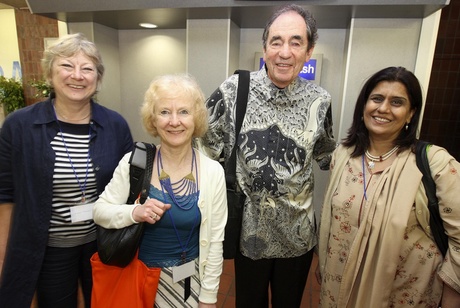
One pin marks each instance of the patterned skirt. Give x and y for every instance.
(171, 294)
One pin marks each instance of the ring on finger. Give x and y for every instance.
(154, 216)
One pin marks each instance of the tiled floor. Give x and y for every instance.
(226, 296)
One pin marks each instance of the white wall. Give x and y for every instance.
(110, 91)
(208, 52)
(426, 50)
(8, 38)
(145, 54)
(375, 44)
(234, 49)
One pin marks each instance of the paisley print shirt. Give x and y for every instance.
(282, 132)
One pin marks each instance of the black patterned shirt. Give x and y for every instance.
(282, 132)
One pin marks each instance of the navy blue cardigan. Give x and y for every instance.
(26, 179)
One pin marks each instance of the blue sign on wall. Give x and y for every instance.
(308, 71)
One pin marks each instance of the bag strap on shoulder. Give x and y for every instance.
(436, 225)
(241, 100)
(140, 171)
(241, 103)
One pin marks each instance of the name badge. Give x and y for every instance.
(81, 212)
(183, 271)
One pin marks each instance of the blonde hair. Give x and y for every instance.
(178, 85)
(68, 46)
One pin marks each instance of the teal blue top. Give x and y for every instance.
(160, 246)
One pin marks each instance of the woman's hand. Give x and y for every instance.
(318, 274)
(151, 211)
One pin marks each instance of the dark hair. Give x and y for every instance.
(358, 135)
(312, 34)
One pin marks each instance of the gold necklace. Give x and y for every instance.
(67, 119)
(380, 158)
(72, 120)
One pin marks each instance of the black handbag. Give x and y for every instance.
(119, 246)
(235, 198)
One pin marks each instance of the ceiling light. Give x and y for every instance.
(147, 25)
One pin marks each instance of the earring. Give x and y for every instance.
(407, 126)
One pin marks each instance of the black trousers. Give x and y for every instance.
(62, 268)
(286, 278)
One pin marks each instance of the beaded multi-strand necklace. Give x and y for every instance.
(183, 192)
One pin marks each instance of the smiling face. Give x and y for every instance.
(286, 50)
(174, 120)
(387, 111)
(74, 79)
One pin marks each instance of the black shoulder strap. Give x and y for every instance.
(140, 171)
(241, 99)
(241, 103)
(436, 225)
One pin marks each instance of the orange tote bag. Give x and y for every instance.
(119, 287)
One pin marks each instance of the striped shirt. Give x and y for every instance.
(73, 178)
